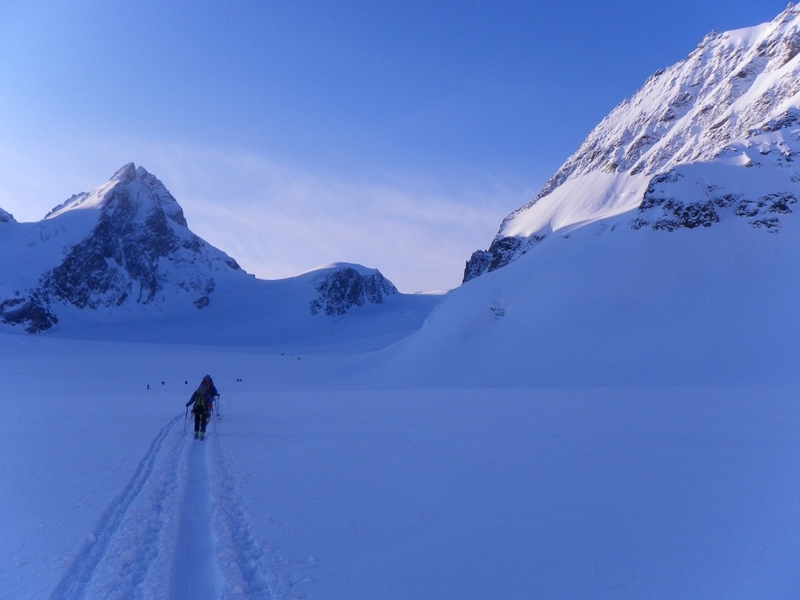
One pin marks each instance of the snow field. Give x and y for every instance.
(502, 493)
(610, 306)
(95, 508)
(123, 556)
(320, 486)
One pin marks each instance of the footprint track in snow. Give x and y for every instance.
(177, 529)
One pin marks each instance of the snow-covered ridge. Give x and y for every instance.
(734, 101)
(124, 251)
(135, 180)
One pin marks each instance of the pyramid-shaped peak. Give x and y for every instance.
(129, 172)
(133, 182)
(126, 172)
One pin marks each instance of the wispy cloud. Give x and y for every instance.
(279, 220)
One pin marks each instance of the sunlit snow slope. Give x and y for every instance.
(716, 134)
(665, 250)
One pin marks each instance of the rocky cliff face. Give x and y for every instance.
(342, 287)
(138, 250)
(715, 134)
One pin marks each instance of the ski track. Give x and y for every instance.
(115, 559)
(249, 568)
(179, 528)
(194, 575)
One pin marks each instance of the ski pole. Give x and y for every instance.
(186, 416)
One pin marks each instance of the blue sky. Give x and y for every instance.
(294, 134)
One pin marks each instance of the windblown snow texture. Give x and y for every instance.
(716, 134)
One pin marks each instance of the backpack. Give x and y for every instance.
(200, 403)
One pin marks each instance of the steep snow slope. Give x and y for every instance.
(726, 121)
(666, 249)
(611, 305)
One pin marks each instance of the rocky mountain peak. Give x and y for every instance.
(685, 143)
(139, 245)
(131, 192)
(127, 172)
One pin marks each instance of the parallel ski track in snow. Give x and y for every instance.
(108, 550)
(133, 550)
(241, 557)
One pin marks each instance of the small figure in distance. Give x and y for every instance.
(203, 400)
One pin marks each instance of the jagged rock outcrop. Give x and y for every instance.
(6, 217)
(663, 211)
(138, 245)
(501, 252)
(29, 311)
(342, 287)
(726, 120)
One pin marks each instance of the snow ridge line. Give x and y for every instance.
(244, 560)
(78, 579)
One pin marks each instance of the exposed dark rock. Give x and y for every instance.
(790, 118)
(771, 225)
(6, 217)
(665, 213)
(205, 299)
(30, 311)
(118, 259)
(342, 289)
(501, 252)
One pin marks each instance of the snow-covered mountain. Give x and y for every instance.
(124, 253)
(613, 415)
(666, 249)
(711, 138)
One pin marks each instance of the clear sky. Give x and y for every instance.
(395, 134)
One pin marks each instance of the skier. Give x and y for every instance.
(203, 400)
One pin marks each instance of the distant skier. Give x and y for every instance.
(203, 400)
